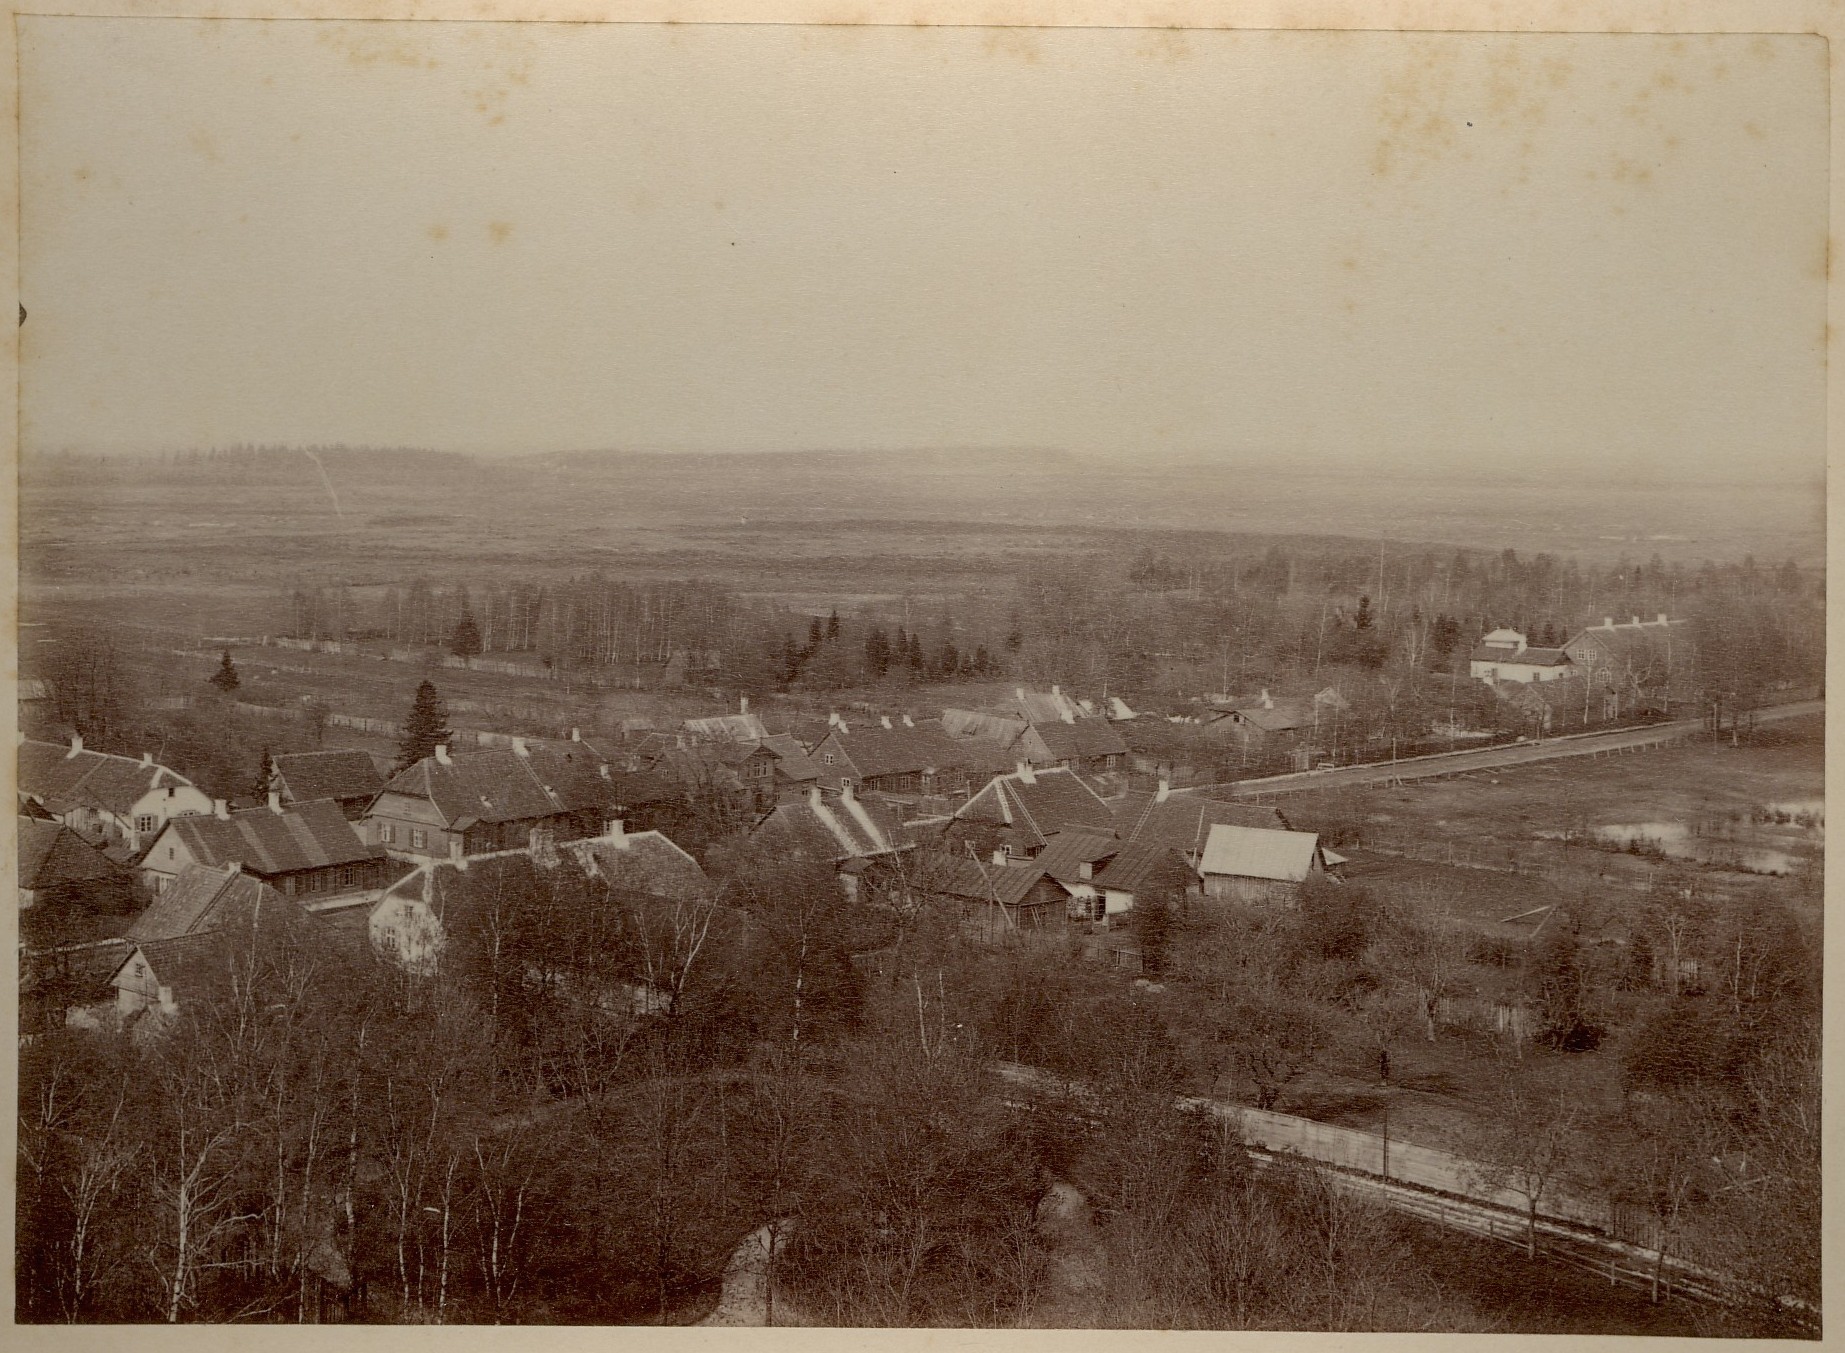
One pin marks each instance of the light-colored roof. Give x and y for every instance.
(742, 727)
(1259, 853)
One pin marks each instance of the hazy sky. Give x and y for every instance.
(1601, 252)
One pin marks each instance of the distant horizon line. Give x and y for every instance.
(1152, 461)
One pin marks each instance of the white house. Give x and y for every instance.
(1256, 864)
(1503, 655)
(114, 802)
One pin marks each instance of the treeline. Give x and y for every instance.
(1153, 624)
(596, 1095)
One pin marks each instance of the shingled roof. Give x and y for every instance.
(1530, 657)
(901, 750)
(645, 862)
(202, 899)
(51, 854)
(973, 880)
(1066, 852)
(1181, 821)
(60, 779)
(304, 776)
(265, 842)
(506, 786)
(1144, 862)
(1039, 804)
(1080, 740)
(833, 827)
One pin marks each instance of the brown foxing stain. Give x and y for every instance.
(1020, 44)
(1754, 129)
(81, 173)
(437, 232)
(373, 45)
(499, 231)
(203, 143)
(1165, 44)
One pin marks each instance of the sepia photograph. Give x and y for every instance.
(1084, 676)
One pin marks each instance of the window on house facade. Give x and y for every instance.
(387, 834)
(389, 936)
(417, 838)
(146, 822)
(827, 757)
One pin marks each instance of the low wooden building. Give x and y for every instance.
(1259, 865)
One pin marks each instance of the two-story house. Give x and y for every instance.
(348, 778)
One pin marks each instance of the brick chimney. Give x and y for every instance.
(1164, 792)
(220, 809)
(908, 722)
(617, 833)
(147, 758)
(1025, 773)
(576, 735)
(1662, 619)
(813, 796)
(883, 721)
(1085, 870)
(76, 745)
(442, 755)
(743, 704)
(999, 856)
(518, 746)
(275, 801)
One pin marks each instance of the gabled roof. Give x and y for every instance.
(791, 757)
(1634, 642)
(646, 862)
(305, 776)
(51, 853)
(878, 751)
(1066, 851)
(1000, 729)
(203, 899)
(1050, 801)
(303, 836)
(1531, 657)
(1080, 740)
(1141, 863)
(974, 880)
(506, 786)
(1253, 852)
(48, 772)
(1183, 820)
(834, 827)
(742, 727)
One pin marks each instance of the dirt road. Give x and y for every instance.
(1505, 757)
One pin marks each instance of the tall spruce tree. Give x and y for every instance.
(265, 776)
(426, 728)
(465, 642)
(225, 678)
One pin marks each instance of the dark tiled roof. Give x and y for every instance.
(791, 757)
(304, 836)
(1183, 821)
(1049, 802)
(51, 853)
(1144, 862)
(505, 786)
(973, 880)
(1529, 657)
(645, 862)
(1000, 729)
(879, 751)
(328, 775)
(1640, 644)
(49, 773)
(200, 900)
(1080, 740)
(1067, 850)
(834, 829)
